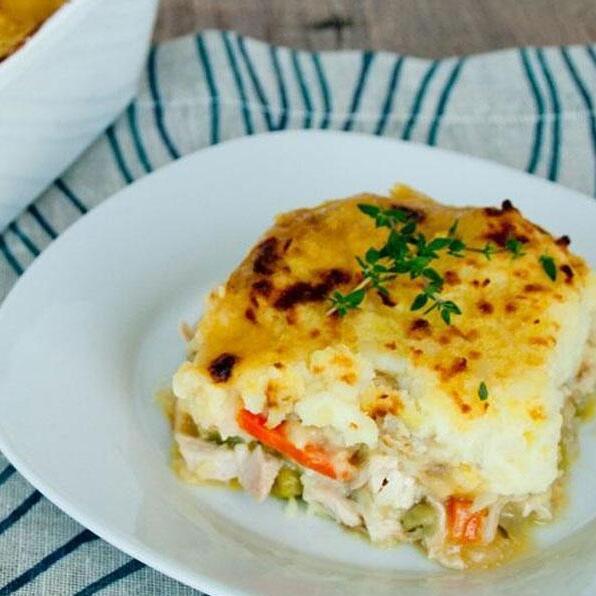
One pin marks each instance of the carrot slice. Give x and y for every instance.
(464, 527)
(311, 456)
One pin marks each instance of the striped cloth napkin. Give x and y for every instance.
(532, 109)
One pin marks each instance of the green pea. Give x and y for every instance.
(287, 484)
(422, 515)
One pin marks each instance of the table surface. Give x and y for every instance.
(427, 28)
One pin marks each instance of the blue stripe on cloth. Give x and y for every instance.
(135, 133)
(157, 104)
(419, 99)
(306, 99)
(252, 75)
(591, 53)
(582, 89)
(10, 258)
(367, 59)
(557, 133)
(42, 221)
(260, 91)
(70, 195)
(212, 86)
(539, 104)
(16, 230)
(107, 580)
(443, 99)
(18, 512)
(6, 473)
(49, 560)
(324, 88)
(118, 156)
(281, 87)
(389, 97)
(246, 116)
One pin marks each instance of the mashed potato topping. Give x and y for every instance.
(380, 411)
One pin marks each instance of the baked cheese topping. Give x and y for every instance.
(385, 378)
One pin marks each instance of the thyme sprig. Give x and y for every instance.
(408, 252)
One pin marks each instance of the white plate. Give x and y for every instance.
(90, 332)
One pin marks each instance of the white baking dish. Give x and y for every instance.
(63, 87)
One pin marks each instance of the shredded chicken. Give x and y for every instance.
(382, 522)
(206, 460)
(257, 471)
(331, 496)
(436, 545)
(491, 522)
(388, 486)
(538, 505)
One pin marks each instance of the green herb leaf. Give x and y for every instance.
(446, 316)
(403, 267)
(370, 210)
(419, 302)
(433, 276)
(515, 247)
(453, 228)
(409, 228)
(343, 303)
(457, 247)
(448, 308)
(549, 266)
(418, 265)
(482, 391)
(439, 244)
(372, 255)
(451, 307)
(356, 297)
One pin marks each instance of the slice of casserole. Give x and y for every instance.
(423, 392)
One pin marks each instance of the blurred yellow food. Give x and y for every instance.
(20, 18)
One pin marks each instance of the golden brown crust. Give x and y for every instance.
(275, 304)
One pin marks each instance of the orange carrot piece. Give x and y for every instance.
(311, 456)
(464, 527)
